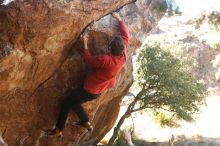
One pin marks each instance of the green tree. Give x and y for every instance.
(166, 83)
(172, 8)
(217, 46)
(213, 19)
(1, 1)
(120, 141)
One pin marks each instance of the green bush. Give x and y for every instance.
(140, 142)
(1, 1)
(120, 140)
(172, 8)
(162, 7)
(217, 46)
(213, 19)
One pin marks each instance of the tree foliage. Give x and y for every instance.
(120, 141)
(166, 120)
(1, 1)
(165, 83)
(172, 8)
(217, 46)
(168, 6)
(213, 19)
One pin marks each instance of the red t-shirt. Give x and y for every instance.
(104, 68)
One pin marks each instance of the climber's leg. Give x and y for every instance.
(66, 105)
(65, 108)
(84, 96)
(78, 109)
(84, 119)
(73, 101)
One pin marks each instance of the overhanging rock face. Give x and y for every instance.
(40, 62)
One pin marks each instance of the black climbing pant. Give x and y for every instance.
(74, 101)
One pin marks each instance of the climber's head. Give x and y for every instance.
(117, 46)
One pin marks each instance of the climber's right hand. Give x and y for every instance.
(84, 39)
(116, 16)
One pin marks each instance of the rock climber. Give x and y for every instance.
(100, 77)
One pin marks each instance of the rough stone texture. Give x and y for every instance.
(196, 42)
(40, 62)
(208, 64)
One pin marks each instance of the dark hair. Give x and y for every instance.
(117, 46)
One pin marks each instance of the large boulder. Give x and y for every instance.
(41, 62)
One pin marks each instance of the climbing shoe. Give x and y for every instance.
(54, 132)
(86, 125)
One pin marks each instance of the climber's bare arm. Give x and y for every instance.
(116, 16)
(123, 29)
(85, 41)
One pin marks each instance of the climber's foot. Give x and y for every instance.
(86, 125)
(54, 133)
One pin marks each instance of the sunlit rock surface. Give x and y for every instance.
(40, 62)
(197, 41)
